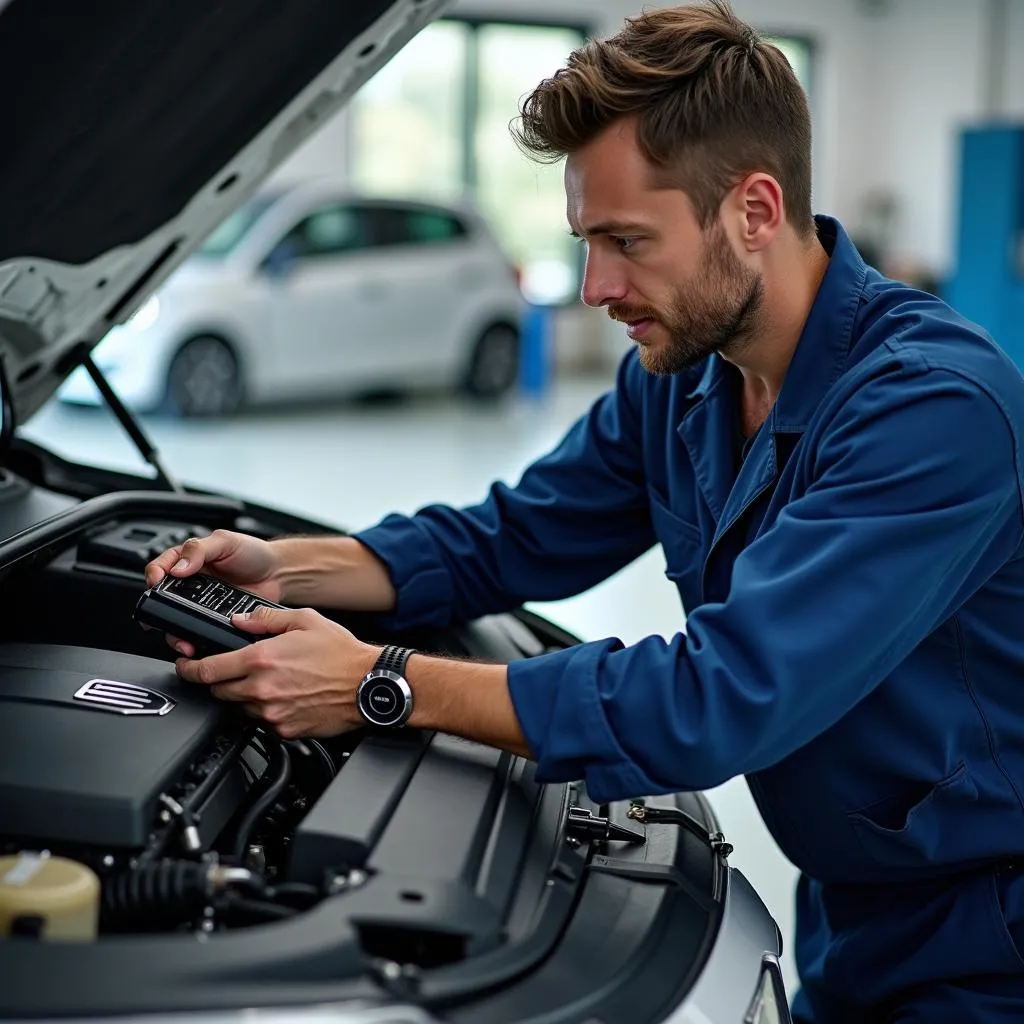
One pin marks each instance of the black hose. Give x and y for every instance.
(198, 796)
(325, 758)
(282, 767)
(156, 892)
(174, 891)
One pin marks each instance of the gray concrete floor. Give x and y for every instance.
(351, 463)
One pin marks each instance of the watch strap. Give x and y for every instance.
(393, 659)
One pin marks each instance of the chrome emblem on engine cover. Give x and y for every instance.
(123, 698)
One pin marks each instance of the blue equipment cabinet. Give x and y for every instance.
(988, 284)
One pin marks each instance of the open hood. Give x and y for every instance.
(132, 129)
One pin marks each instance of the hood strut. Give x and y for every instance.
(131, 425)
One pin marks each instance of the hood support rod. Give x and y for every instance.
(131, 425)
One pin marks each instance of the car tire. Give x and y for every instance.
(494, 363)
(204, 379)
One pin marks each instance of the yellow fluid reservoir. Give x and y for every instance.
(52, 898)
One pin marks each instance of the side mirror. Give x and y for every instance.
(281, 260)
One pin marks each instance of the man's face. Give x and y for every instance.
(683, 292)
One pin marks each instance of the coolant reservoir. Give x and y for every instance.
(51, 898)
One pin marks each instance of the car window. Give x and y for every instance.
(330, 231)
(397, 225)
(230, 232)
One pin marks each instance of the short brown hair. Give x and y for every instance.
(713, 102)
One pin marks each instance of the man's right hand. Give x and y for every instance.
(233, 557)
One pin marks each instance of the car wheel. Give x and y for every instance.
(204, 379)
(494, 364)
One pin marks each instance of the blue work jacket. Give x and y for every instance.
(853, 583)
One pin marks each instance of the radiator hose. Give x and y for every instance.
(169, 891)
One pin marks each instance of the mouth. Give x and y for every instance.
(637, 330)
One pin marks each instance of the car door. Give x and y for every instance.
(322, 320)
(420, 259)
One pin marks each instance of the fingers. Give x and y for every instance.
(263, 620)
(160, 566)
(191, 556)
(218, 668)
(183, 647)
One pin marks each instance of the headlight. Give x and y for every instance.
(145, 316)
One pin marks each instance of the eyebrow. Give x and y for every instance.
(612, 227)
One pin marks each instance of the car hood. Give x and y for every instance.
(132, 129)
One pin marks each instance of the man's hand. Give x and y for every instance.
(233, 557)
(333, 572)
(301, 679)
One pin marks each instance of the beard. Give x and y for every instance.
(719, 310)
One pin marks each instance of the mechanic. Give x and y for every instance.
(831, 462)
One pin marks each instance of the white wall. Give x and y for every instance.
(1014, 94)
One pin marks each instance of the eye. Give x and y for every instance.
(626, 242)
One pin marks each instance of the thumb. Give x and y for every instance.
(266, 620)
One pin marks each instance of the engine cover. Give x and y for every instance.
(89, 739)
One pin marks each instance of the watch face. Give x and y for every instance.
(383, 701)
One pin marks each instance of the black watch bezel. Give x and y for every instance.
(386, 676)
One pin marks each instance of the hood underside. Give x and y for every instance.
(132, 129)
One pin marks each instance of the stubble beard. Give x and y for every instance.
(719, 311)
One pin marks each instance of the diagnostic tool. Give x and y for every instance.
(198, 609)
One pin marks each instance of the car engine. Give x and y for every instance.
(179, 804)
(161, 851)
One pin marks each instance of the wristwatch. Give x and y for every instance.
(384, 697)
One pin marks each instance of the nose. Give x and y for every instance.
(603, 283)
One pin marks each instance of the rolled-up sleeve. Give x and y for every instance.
(577, 516)
(913, 501)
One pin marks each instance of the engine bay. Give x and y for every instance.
(153, 834)
(191, 816)
(177, 805)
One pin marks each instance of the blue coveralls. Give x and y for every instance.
(854, 645)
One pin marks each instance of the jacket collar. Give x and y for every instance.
(824, 344)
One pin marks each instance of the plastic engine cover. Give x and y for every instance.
(88, 739)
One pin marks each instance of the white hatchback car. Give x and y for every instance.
(316, 291)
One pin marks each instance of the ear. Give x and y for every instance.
(762, 210)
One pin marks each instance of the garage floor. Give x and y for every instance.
(351, 463)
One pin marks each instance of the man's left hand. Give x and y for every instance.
(301, 679)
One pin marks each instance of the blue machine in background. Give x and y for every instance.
(988, 284)
(536, 350)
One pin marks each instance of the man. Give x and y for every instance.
(831, 462)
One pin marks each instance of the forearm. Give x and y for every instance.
(465, 699)
(332, 572)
